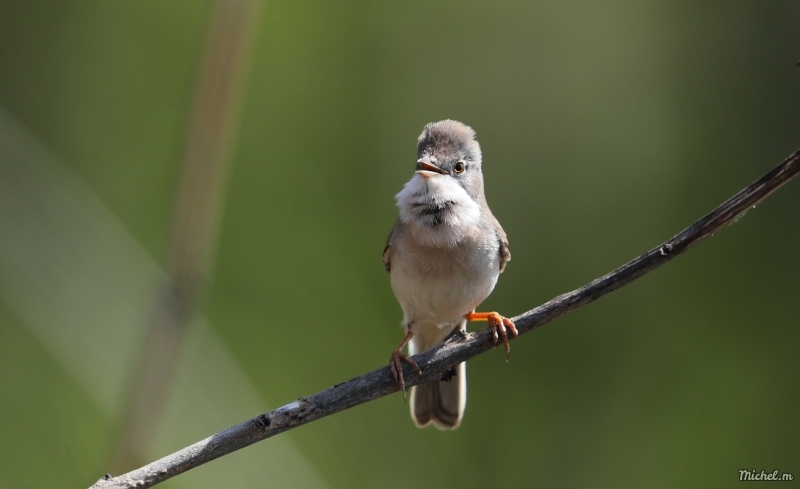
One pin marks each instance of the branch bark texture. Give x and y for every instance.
(436, 362)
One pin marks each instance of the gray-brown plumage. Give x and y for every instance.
(444, 255)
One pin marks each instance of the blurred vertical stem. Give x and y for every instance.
(209, 145)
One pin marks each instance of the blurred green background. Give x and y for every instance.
(606, 128)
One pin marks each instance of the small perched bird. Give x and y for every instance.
(444, 256)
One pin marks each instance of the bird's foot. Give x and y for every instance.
(396, 364)
(499, 325)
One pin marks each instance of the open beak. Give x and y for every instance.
(427, 169)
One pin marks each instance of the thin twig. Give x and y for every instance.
(437, 362)
(209, 145)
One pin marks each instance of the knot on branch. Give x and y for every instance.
(448, 376)
(262, 421)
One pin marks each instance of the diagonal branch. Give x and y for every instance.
(200, 195)
(437, 362)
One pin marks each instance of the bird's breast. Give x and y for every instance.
(439, 285)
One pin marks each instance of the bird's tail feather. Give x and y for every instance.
(441, 402)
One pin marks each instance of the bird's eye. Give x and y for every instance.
(460, 167)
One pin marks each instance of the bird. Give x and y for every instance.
(444, 256)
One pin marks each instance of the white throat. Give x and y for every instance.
(437, 210)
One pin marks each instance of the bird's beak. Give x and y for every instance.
(427, 169)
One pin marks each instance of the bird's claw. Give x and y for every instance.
(396, 366)
(501, 327)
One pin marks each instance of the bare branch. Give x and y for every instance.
(437, 362)
(200, 194)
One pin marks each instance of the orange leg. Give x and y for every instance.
(396, 363)
(498, 324)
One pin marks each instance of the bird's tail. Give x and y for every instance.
(440, 402)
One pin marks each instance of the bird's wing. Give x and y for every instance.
(387, 250)
(505, 252)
